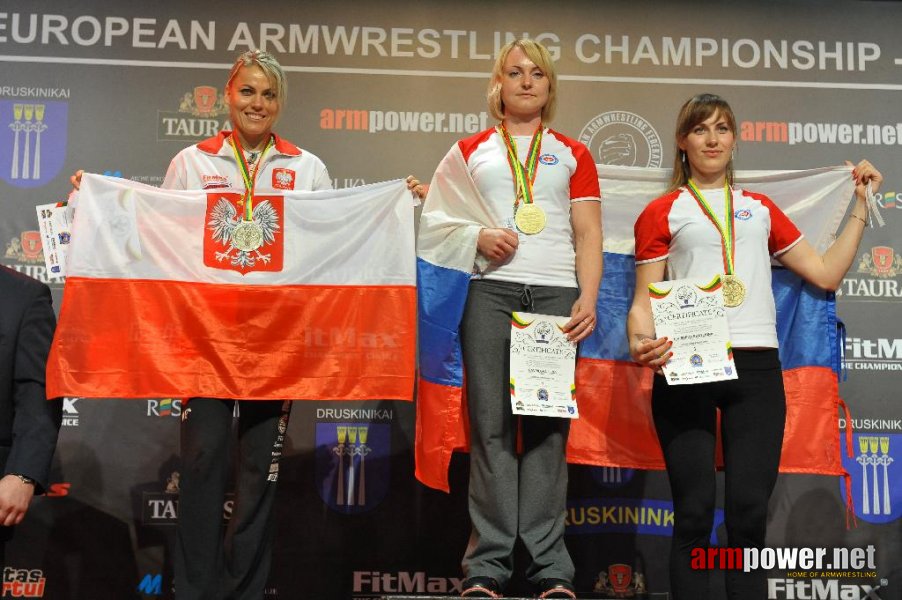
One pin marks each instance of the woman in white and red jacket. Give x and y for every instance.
(682, 235)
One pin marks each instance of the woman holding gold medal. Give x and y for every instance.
(208, 564)
(703, 226)
(538, 250)
(253, 157)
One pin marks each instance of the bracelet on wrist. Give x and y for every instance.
(24, 478)
(854, 216)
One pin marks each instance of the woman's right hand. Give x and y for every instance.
(75, 179)
(497, 244)
(651, 353)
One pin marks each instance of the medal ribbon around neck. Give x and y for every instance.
(725, 229)
(248, 174)
(522, 179)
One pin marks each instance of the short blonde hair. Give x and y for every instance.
(538, 54)
(270, 67)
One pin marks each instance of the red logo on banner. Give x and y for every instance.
(205, 100)
(883, 259)
(235, 243)
(283, 179)
(31, 245)
(619, 577)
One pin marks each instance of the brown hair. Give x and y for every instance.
(697, 110)
(538, 54)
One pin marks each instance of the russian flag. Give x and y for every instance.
(615, 427)
(177, 293)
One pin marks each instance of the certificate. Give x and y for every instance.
(692, 315)
(542, 367)
(53, 220)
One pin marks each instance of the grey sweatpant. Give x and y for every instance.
(511, 494)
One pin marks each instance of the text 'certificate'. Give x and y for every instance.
(543, 367)
(694, 318)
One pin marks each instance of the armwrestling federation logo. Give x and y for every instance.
(352, 465)
(244, 238)
(622, 138)
(32, 142)
(875, 476)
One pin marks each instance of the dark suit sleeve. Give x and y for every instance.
(36, 421)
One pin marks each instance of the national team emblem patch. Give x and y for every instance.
(352, 465)
(549, 159)
(32, 141)
(283, 179)
(876, 476)
(743, 214)
(233, 242)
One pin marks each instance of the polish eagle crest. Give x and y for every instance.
(245, 239)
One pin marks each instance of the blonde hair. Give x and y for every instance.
(697, 110)
(270, 67)
(538, 54)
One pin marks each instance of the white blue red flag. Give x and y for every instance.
(615, 427)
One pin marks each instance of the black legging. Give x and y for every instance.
(753, 413)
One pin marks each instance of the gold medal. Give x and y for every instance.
(247, 236)
(530, 219)
(733, 291)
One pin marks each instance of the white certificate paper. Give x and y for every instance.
(692, 315)
(53, 221)
(542, 367)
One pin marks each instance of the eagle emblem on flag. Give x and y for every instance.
(235, 242)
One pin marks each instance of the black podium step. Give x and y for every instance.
(581, 596)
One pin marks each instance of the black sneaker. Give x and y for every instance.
(556, 588)
(480, 587)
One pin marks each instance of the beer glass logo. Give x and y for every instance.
(33, 142)
(875, 476)
(352, 464)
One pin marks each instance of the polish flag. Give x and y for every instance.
(306, 295)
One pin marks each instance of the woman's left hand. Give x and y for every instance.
(582, 319)
(414, 185)
(864, 173)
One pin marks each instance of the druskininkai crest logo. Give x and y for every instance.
(352, 465)
(875, 476)
(244, 238)
(32, 141)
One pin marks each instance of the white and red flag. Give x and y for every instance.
(189, 293)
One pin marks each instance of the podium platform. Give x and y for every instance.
(580, 596)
